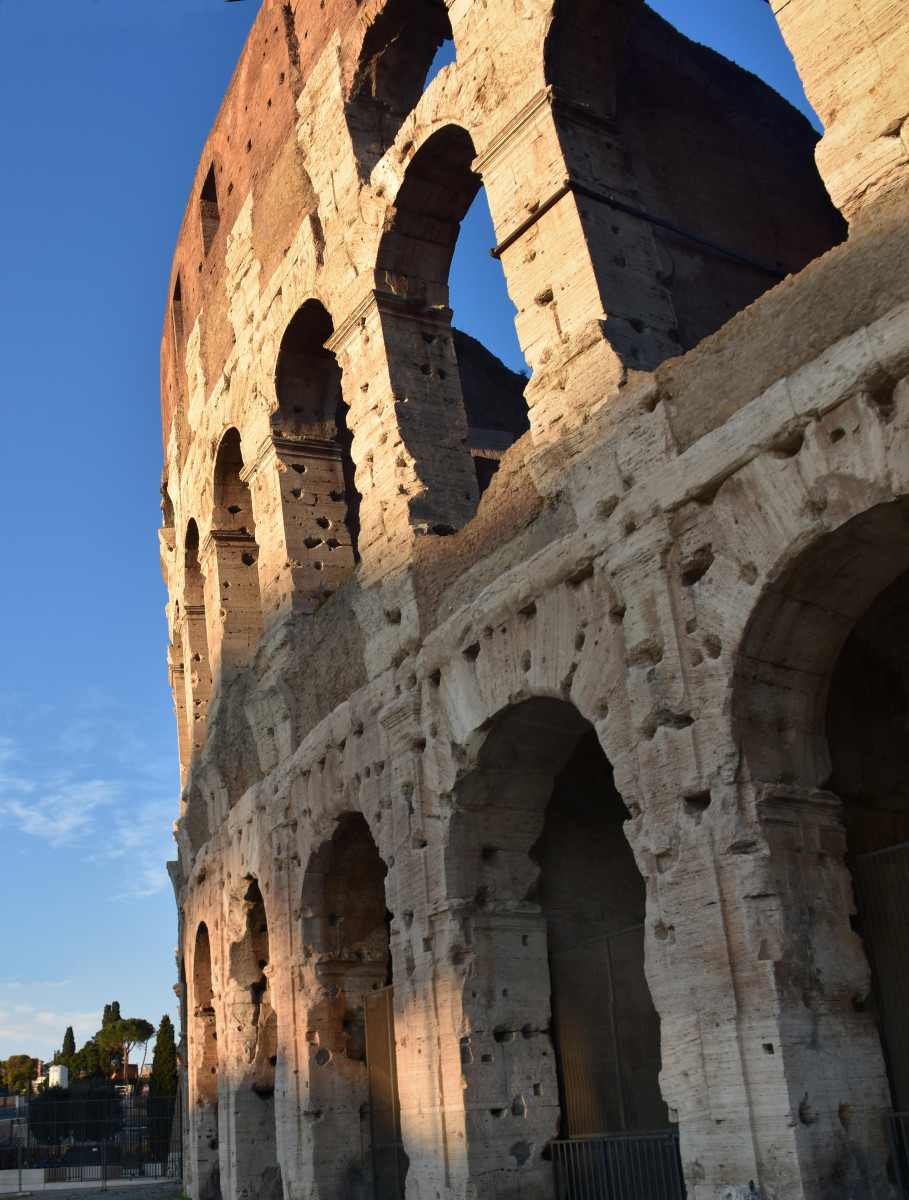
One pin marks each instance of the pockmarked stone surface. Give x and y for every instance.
(543, 739)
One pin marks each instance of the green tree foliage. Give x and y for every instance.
(19, 1071)
(96, 1114)
(162, 1090)
(111, 1013)
(69, 1045)
(49, 1116)
(163, 1080)
(86, 1063)
(117, 1038)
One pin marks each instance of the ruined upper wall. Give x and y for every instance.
(851, 57)
(668, 127)
(252, 147)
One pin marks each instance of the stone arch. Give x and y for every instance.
(319, 498)
(347, 951)
(552, 947)
(437, 189)
(395, 57)
(865, 721)
(209, 211)
(254, 1032)
(203, 1097)
(230, 563)
(781, 676)
(415, 255)
(807, 650)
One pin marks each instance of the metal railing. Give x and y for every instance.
(898, 1132)
(619, 1166)
(93, 1141)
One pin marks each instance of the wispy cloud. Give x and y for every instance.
(26, 1025)
(41, 983)
(98, 790)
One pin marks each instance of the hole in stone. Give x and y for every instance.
(697, 803)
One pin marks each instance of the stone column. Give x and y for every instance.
(757, 975)
(197, 677)
(851, 58)
(202, 1101)
(178, 688)
(232, 604)
(304, 544)
(585, 277)
(400, 380)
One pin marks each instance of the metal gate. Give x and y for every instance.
(389, 1162)
(882, 895)
(617, 1141)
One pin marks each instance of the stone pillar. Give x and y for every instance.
(585, 277)
(250, 1165)
(851, 58)
(429, 979)
(304, 543)
(178, 688)
(202, 1102)
(756, 973)
(400, 380)
(232, 604)
(197, 677)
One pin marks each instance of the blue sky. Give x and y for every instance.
(106, 106)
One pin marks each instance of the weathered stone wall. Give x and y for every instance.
(433, 738)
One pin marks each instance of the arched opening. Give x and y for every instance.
(439, 192)
(167, 508)
(204, 1079)
(258, 1173)
(398, 53)
(320, 501)
(866, 723)
(554, 993)
(208, 209)
(176, 312)
(196, 663)
(353, 1075)
(820, 700)
(235, 611)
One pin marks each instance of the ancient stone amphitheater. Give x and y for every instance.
(545, 820)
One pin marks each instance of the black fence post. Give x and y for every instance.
(19, 1162)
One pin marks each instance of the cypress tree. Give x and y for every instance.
(111, 1013)
(163, 1080)
(69, 1045)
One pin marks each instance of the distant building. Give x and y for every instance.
(58, 1075)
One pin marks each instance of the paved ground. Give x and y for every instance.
(153, 1189)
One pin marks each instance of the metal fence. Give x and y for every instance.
(93, 1141)
(622, 1166)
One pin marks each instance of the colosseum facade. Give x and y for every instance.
(543, 740)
